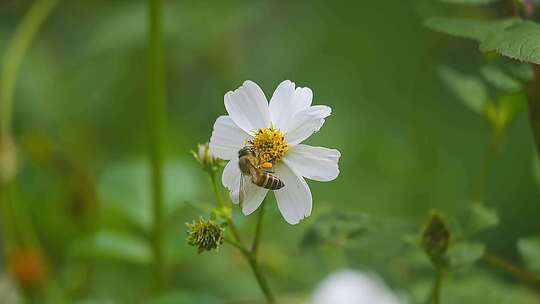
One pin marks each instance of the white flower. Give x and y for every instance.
(353, 287)
(276, 130)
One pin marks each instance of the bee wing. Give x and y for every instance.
(244, 184)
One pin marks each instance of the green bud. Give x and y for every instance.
(435, 239)
(207, 160)
(205, 234)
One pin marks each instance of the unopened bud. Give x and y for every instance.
(205, 234)
(206, 159)
(435, 239)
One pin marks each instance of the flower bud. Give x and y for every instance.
(435, 239)
(205, 234)
(8, 158)
(207, 160)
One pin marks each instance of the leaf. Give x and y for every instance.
(463, 255)
(500, 79)
(469, 28)
(109, 245)
(358, 233)
(124, 189)
(479, 218)
(470, 90)
(520, 41)
(471, 2)
(521, 70)
(529, 248)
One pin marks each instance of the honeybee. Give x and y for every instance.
(257, 173)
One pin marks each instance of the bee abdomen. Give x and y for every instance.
(269, 182)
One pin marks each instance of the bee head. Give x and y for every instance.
(247, 150)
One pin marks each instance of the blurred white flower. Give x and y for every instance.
(276, 130)
(8, 291)
(353, 287)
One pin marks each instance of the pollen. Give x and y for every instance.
(270, 145)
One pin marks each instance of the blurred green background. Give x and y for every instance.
(408, 144)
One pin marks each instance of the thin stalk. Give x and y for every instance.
(14, 54)
(533, 102)
(215, 188)
(436, 294)
(261, 279)
(258, 230)
(236, 241)
(518, 273)
(156, 130)
(487, 166)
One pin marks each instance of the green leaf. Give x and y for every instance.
(479, 218)
(471, 2)
(125, 189)
(463, 255)
(529, 248)
(109, 245)
(500, 79)
(521, 70)
(520, 41)
(470, 90)
(469, 28)
(358, 233)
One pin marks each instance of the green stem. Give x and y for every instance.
(487, 166)
(518, 273)
(15, 52)
(249, 255)
(261, 279)
(215, 188)
(437, 287)
(258, 230)
(156, 126)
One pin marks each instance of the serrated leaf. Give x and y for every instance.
(480, 218)
(519, 41)
(463, 255)
(469, 28)
(500, 79)
(109, 245)
(471, 2)
(529, 249)
(470, 90)
(358, 233)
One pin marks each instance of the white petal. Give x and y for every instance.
(231, 178)
(248, 107)
(254, 197)
(302, 99)
(315, 163)
(227, 138)
(281, 103)
(286, 102)
(305, 123)
(294, 199)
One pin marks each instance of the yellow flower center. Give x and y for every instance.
(269, 145)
